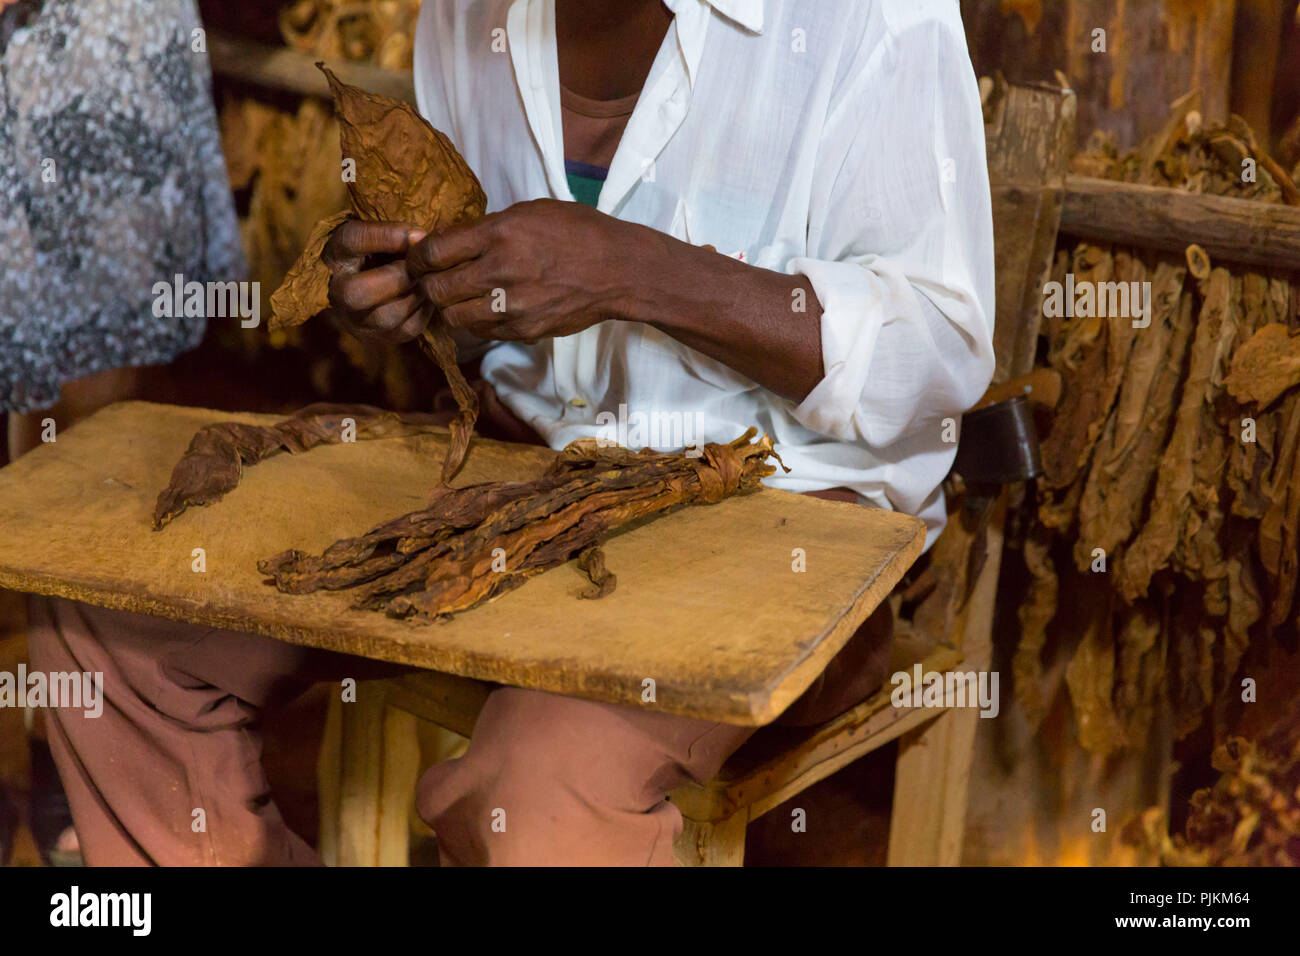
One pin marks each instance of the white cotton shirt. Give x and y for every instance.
(841, 139)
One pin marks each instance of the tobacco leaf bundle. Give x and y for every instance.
(474, 543)
(217, 454)
(406, 171)
(1156, 543)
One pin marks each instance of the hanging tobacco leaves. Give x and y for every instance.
(1249, 817)
(405, 171)
(1172, 469)
(474, 543)
(1194, 423)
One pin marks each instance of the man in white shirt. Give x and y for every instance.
(838, 146)
(787, 224)
(791, 228)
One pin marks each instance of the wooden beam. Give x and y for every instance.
(280, 68)
(1234, 230)
(757, 782)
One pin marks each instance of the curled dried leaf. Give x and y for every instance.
(438, 344)
(305, 290)
(592, 563)
(215, 459)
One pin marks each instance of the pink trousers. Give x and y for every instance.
(170, 772)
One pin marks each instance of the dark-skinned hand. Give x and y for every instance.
(536, 270)
(371, 293)
(548, 268)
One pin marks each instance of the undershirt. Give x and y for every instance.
(592, 130)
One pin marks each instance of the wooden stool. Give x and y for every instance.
(369, 765)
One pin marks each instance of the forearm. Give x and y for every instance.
(764, 324)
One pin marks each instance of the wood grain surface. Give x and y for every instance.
(707, 604)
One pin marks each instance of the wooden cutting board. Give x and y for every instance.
(708, 605)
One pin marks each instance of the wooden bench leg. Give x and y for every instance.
(721, 843)
(932, 775)
(928, 820)
(368, 766)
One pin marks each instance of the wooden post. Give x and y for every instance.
(931, 778)
(1028, 139)
(369, 762)
(721, 843)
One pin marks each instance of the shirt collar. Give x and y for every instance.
(748, 13)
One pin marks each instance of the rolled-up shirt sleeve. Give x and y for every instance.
(901, 241)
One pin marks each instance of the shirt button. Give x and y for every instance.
(578, 402)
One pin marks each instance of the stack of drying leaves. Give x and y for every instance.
(1171, 465)
(474, 543)
(1250, 817)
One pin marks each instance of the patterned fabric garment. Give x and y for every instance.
(111, 179)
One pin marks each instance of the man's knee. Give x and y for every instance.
(527, 742)
(549, 778)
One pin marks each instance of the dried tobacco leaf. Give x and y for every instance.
(592, 563)
(1263, 301)
(1245, 604)
(1035, 613)
(217, 454)
(1199, 553)
(1141, 668)
(1190, 681)
(1082, 361)
(406, 171)
(305, 290)
(447, 558)
(1090, 676)
(1279, 528)
(438, 344)
(1156, 542)
(1147, 358)
(1266, 366)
